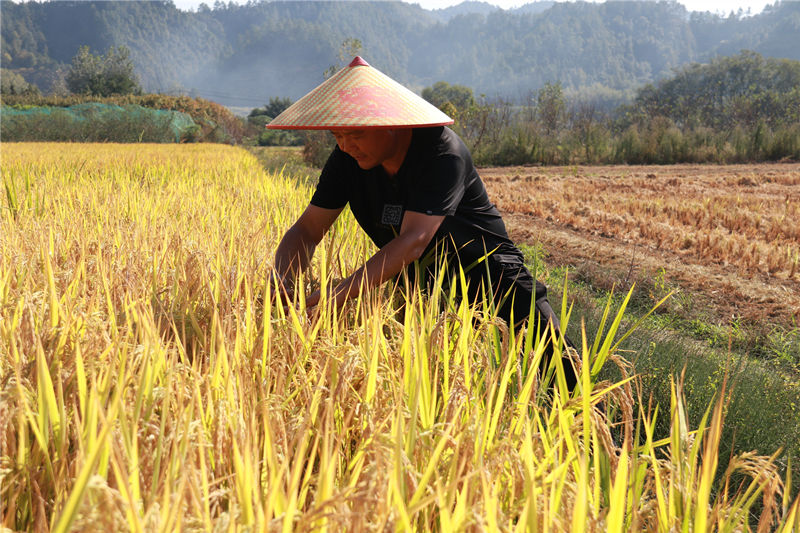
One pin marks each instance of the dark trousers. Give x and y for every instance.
(513, 288)
(505, 279)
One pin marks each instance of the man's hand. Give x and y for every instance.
(281, 288)
(297, 246)
(415, 234)
(312, 300)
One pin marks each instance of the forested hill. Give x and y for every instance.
(242, 55)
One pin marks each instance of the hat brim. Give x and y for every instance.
(359, 127)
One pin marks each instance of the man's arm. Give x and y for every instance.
(416, 233)
(296, 249)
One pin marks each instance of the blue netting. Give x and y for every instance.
(96, 122)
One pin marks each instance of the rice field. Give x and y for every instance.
(148, 381)
(725, 235)
(740, 216)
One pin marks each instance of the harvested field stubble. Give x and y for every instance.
(728, 233)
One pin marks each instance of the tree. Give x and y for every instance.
(261, 116)
(731, 91)
(350, 48)
(275, 107)
(13, 83)
(112, 73)
(551, 106)
(441, 93)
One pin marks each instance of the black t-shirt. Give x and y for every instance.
(437, 177)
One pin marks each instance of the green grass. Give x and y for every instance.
(764, 411)
(774, 343)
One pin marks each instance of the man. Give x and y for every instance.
(412, 187)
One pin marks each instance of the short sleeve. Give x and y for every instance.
(438, 186)
(332, 188)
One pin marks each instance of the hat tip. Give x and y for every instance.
(358, 61)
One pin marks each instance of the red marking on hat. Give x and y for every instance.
(365, 101)
(358, 62)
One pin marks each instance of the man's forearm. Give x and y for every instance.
(292, 256)
(381, 267)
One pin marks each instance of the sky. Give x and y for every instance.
(714, 6)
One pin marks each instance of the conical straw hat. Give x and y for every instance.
(359, 96)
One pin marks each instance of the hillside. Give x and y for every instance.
(242, 55)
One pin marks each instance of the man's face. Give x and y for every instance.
(369, 147)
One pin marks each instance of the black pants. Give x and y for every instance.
(513, 288)
(506, 279)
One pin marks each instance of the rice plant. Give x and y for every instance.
(150, 382)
